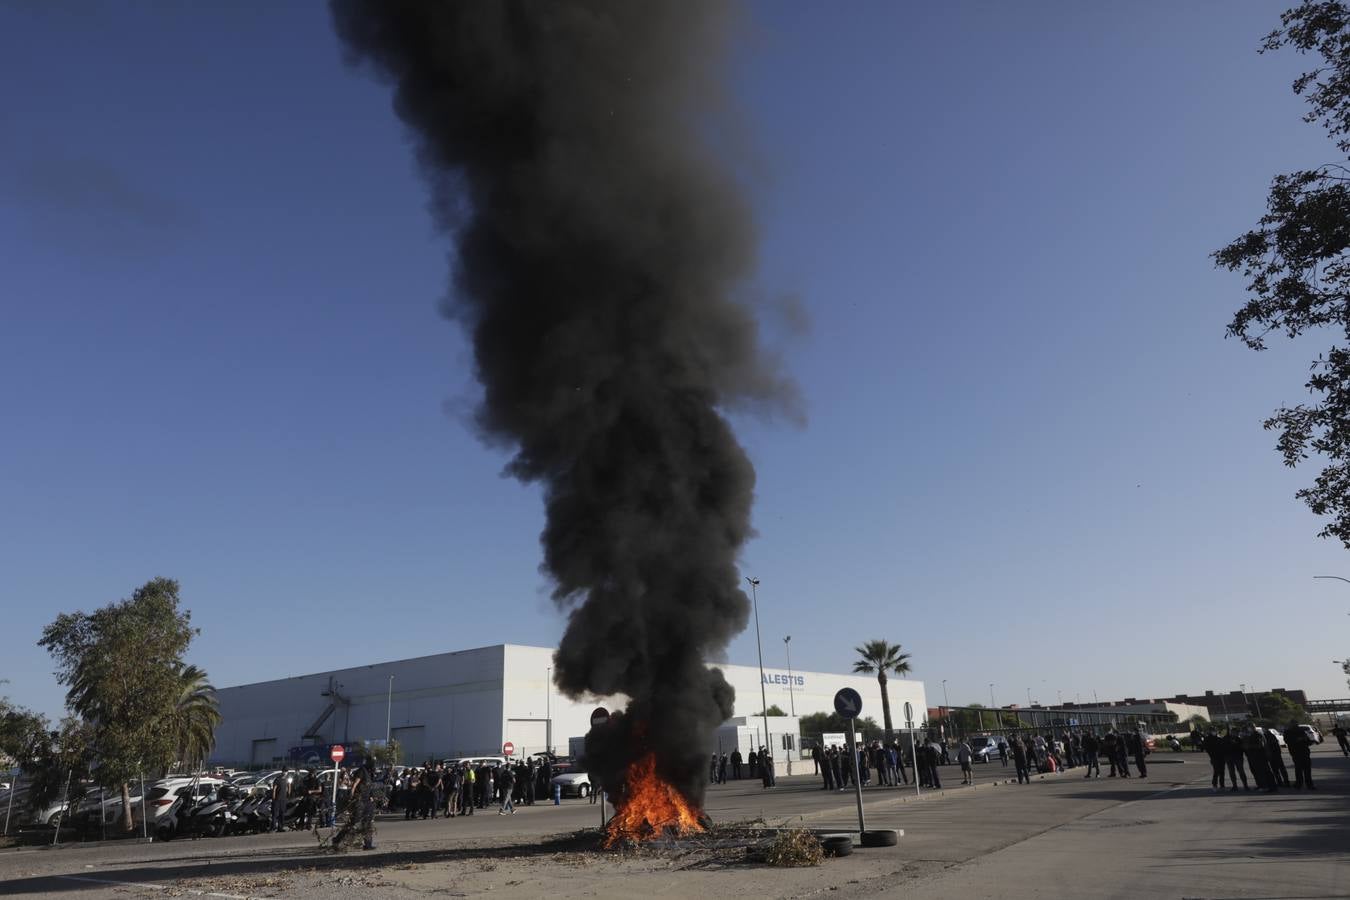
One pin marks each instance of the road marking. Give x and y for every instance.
(155, 887)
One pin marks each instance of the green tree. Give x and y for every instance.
(382, 754)
(195, 717)
(882, 657)
(774, 710)
(21, 731)
(1297, 269)
(123, 669)
(816, 724)
(1277, 709)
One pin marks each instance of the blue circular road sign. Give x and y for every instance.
(847, 703)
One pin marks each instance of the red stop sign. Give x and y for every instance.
(337, 753)
(508, 748)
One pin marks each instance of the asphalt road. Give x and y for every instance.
(1061, 836)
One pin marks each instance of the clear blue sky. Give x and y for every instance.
(1031, 457)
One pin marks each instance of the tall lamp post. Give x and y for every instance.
(548, 713)
(992, 704)
(389, 713)
(763, 697)
(792, 701)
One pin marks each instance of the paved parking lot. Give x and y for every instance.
(1061, 836)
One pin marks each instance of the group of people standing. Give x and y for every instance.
(458, 789)
(760, 763)
(1260, 749)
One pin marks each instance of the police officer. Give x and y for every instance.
(1300, 750)
(1280, 775)
(1232, 745)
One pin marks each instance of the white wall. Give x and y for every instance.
(469, 702)
(456, 697)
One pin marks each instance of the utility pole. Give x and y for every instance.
(763, 696)
(792, 701)
(389, 713)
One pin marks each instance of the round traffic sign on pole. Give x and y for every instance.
(599, 717)
(848, 703)
(337, 753)
(909, 714)
(508, 748)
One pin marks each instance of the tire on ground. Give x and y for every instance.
(882, 838)
(837, 844)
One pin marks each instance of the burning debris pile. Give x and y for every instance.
(598, 243)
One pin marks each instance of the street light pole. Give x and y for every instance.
(992, 704)
(763, 697)
(548, 711)
(389, 713)
(792, 700)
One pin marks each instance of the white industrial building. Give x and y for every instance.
(471, 702)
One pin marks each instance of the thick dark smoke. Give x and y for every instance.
(598, 242)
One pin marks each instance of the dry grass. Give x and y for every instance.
(794, 848)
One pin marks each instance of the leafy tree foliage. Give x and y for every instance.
(882, 657)
(125, 677)
(829, 723)
(1297, 269)
(773, 710)
(21, 731)
(1277, 709)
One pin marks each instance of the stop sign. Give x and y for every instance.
(508, 748)
(337, 753)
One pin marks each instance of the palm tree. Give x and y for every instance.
(882, 657)
(195, 715)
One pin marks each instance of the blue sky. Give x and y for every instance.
(1030, 456)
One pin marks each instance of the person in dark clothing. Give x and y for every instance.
(1254, 748)
(1214, 746)
(1233, 756)
(712, 770)
(1122, 756)
(1300, 751)
(934, 757)
(281, 789)
(1019, 753)
(360, 813)
(1003, 752)
(736, 763)
(766, 771)
(753, 760)
(531, 782)
(1140, 748)
(1342, 738)
(1276, 759)
(1109, 750)
(1090, 746)
(818, 757)
(507, 781)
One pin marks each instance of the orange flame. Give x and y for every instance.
(650, 806)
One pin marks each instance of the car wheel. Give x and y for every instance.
(54, 820)
(584, 791)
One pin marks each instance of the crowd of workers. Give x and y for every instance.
(458, 789)
(1261, 751)
(759, 763)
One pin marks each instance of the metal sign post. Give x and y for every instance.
(336, 753)
(13, 789)
(848, 704)
(599, 719)
(913, 749)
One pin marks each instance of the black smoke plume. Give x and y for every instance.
(597, 245)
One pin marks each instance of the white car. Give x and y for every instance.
(983, 747)
(573, 784)
(1313, 734)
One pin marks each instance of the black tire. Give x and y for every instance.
(882, 838)
(54, 820)
(584, 791)
(837, 844)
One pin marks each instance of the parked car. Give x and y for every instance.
(983, 746)
(1313, 734)
(573, 784)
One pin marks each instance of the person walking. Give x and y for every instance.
(964, 756)
(753, 760)
(360, 813)
(736, 763)
(1109, 750)
(722, 770)
(1300, 751)
(1342, 738)
(506, 780)
(1003, 752)
(818, 757)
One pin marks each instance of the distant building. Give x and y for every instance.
(472, 702)
(1215, 707)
